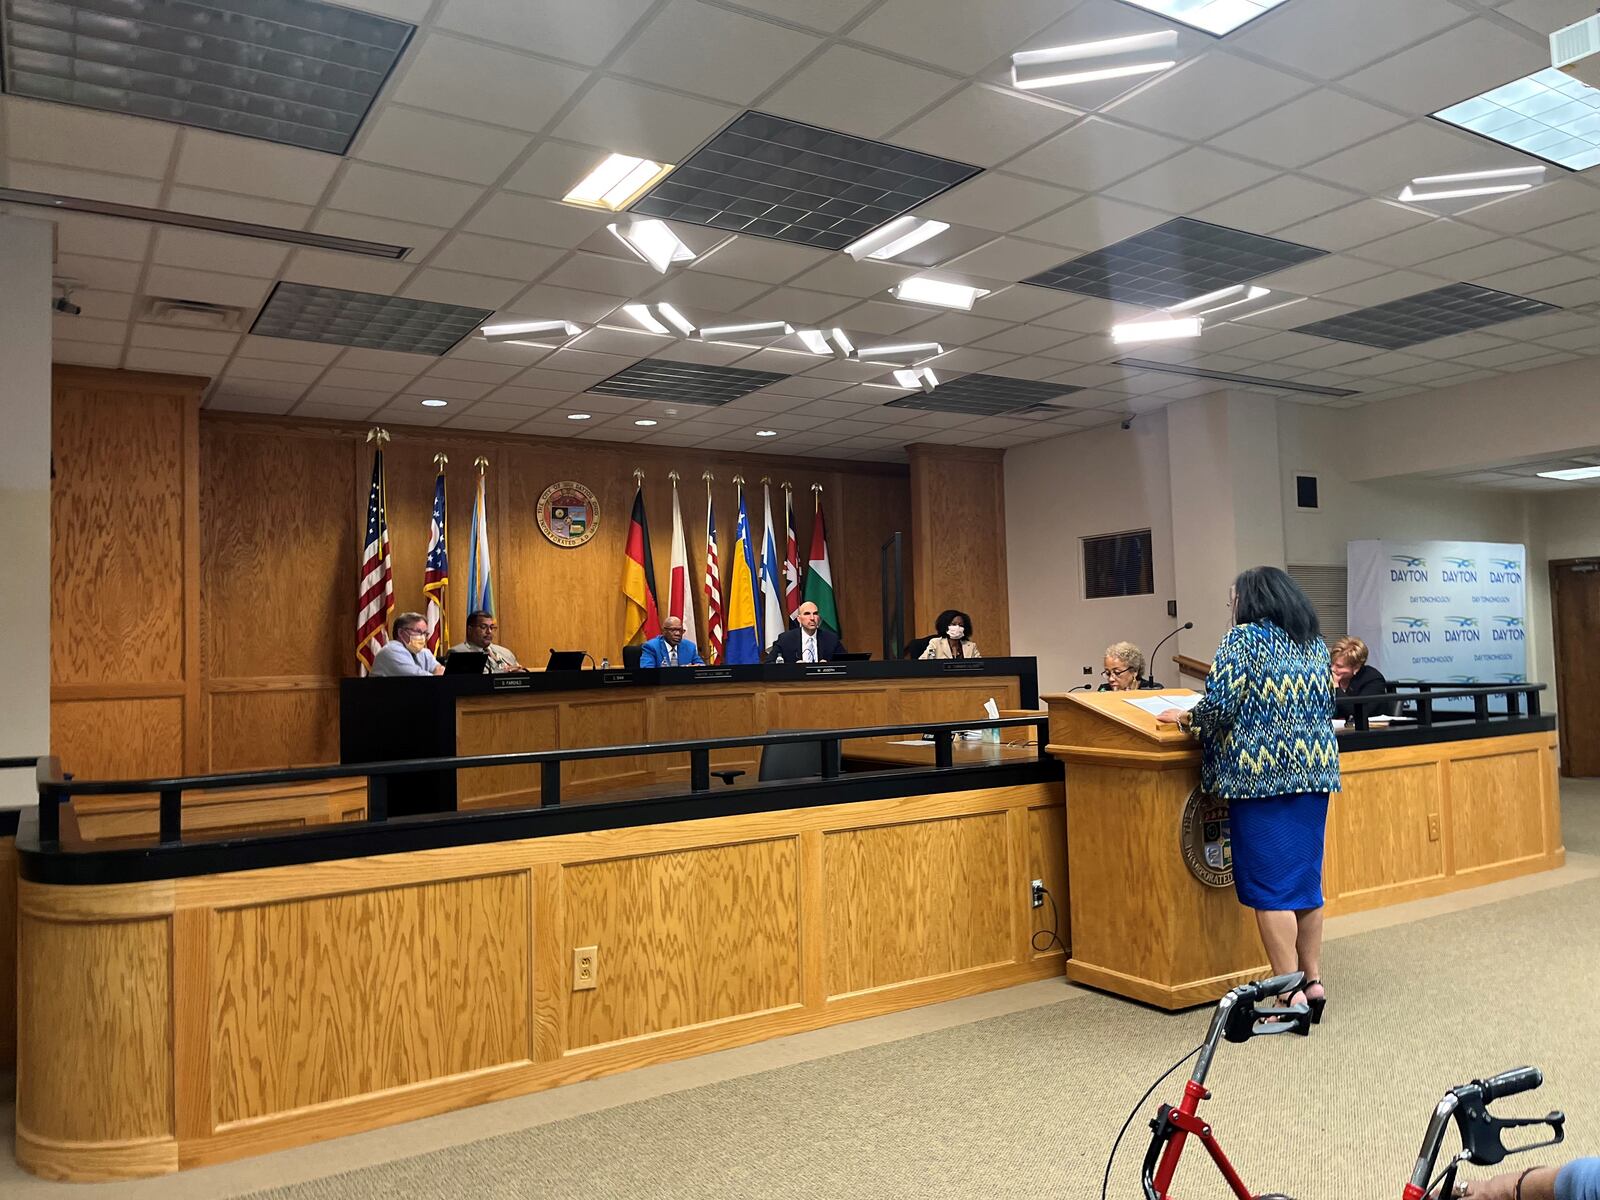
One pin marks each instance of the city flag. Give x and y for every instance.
(480, 582)
(642, 619)
(436, 571)
(712, 651)
(819, 575)
(772, 621)
(680, 603)
(791, 558)
(743, 640)
(375, 586)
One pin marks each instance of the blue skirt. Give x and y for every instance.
(1277, 850)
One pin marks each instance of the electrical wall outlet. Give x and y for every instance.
(1433, 827)
(585, 967)
(1036, 892)
(1088, 670)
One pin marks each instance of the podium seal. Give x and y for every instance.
(1205, 841)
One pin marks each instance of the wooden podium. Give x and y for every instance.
(1143, 925)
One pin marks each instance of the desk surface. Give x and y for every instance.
(890, 752)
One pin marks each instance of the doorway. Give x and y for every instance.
(1575, 606)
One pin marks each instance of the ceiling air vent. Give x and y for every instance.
(192, 314)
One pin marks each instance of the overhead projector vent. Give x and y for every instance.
(192, 314)
(1576, 50)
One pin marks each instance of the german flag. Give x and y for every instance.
(643, 617)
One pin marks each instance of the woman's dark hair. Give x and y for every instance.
(949, 615)
(1269, 594)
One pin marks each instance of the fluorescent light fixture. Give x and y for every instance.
(1220, 17)
(616, 182)
(676, 319)
(1208, 298)
(898, 236)
(654, 242)
(815, 341)
(1157, 330)
(917, 378)
(1477, 183)
(1088, 62)
(921, 290)
(578, 416)
(642, 314)
(516, 331)
(837, 337)
(759, 328)
(1547, 115)
(434, 403)
(1250, 296)
(1572, 473)
(907, 352)
(645, 422)
(766, 433)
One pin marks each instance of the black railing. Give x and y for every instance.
(1522, 700)
(56, 789)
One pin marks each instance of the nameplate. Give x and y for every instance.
(815, 669)
(713, 673)
(510, 683)
(968, 666)
(616, 677)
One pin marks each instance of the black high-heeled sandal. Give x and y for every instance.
(1315, 1003)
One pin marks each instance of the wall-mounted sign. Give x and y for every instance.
(568, 513)
(1206, 841)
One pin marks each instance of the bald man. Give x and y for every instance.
(811, 643)
(671, 649)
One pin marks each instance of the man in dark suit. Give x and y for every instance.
(671, 649)
(809, 643)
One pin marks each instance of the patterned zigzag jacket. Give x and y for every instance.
(1266, 720)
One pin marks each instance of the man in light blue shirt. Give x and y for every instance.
(407, 652)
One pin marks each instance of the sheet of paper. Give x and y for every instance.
(1156, 705)
(911, 742)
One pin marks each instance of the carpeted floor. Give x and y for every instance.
(1026, 1105)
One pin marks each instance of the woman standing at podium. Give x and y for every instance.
(1265, 726)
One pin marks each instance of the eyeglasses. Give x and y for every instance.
(1114, 674)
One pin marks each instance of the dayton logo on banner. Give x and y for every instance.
(1450, 612)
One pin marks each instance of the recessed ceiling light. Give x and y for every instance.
(755, 328)
(1572, 473)
(766, 433)
(1161, 329)
(917, 378)
(434, 403)
(1226, 300)
(898, 236)
(654, 242)
(523, 333)
(1471, 183)
(837, 337)
(578, 416)
(1087, 62)
(645, 422)
(642, 314)
(616, 182)
(1547, 115)
(1220, 17)
(906, 352)
(921, 290)
(676, 319)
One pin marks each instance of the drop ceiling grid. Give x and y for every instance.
(534, 143)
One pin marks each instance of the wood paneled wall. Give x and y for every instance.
(958, 527)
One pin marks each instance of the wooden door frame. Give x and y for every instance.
(1561, 659)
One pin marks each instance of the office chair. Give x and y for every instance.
(790, 760)
(630, 657)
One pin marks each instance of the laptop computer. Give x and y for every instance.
(565, 660)
(858, 656)
(466, 662)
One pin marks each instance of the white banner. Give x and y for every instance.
(1450, 612)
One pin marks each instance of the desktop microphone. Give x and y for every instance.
(1149, 664)
(1082, 687)
(590, 657)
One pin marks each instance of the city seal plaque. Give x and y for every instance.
(568, 513)
(1205, 840)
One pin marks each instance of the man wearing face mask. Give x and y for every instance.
(407, 652)
(953, 639)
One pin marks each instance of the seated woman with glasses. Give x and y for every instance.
(1124, 669)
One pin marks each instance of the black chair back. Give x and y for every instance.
(790, 760)
(630, 657)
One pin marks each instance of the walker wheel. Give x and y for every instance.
(1274, 1196)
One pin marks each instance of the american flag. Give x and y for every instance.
(713, 648)
(375, 591)
(436, 571)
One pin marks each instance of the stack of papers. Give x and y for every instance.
(1156, 705)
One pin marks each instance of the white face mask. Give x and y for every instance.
(956, 631)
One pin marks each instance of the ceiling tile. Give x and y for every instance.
(828, 15)
(1307, 128)
(285, 350)
(554, 168)
(1332, 39)
(356, 273)
(1579, 233)
(99, 274)
(804, 305)
(542, 302)
(1278, 202)
(103, 237)
(1472, 264)
(175, 284)
(1093, 222)
(83, 328)
(1190, 180)
(584, 31)
(1557, 201)
(526, 219)
(1321, 275)
(495, 256)
(694, 47)
(227, 401)
(420, 239)
(1024, 339)
(760, 259)
(436, 145)
(214, 252)
(87, 354)
(92, 185)
(841, 274)
(448, 389)
(1343, 228)
(486, 83)
(629, 118)
(455, 287)
(59, 133)
(234, 207)
(984, 125)
(265, 369)
(876, 316)
(1420, 148)
(1022, 303)
(1381, 289)
(1450, 67)
(1530, 280)
(997, 202)
(954, 34)
(1094, 153)
(595, 273)
(403, 195)
(716, 293)
(176, 361)
(253, 168)
(1412, 246)
(1208, 94)
(1008, 259)
(850, 89)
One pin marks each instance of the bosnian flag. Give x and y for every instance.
(743, 640)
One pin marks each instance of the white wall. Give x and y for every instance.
(26, 251)
(1105, 481)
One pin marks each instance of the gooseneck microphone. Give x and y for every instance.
(1149, 664)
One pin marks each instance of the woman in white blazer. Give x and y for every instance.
(953, 637)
